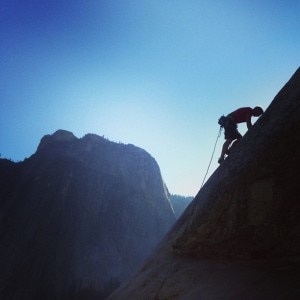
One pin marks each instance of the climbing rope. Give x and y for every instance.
(172, 262)
(219, 134)
(212, 155)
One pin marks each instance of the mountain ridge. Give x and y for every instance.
(78, 217)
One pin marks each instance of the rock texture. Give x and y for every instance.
(240, 237)
(78, 217)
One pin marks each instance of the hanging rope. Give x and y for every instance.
(219, 134)
(194, 204)
(172, 262)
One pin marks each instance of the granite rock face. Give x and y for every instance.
(240, 237)
(180, 203)
(78, 217)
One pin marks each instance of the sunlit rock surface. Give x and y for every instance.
(78, 217)
(240, 237)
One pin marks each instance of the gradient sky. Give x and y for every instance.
(154, 73)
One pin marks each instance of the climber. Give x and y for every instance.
(230, 122)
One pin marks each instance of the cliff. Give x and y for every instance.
(78, 217)
(240, 237)
(179, 203)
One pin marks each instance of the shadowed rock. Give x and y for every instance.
(78, 217)
(240, 237)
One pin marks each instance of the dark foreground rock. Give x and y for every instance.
(240, 237)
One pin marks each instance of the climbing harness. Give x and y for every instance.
(222, 121)
(219, 134)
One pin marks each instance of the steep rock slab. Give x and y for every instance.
(78, 217)
(240, 237)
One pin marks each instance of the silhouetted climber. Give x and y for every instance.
(230, 122)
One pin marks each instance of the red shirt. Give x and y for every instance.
(242, 114)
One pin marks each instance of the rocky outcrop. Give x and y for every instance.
(240, 237)
(78, 217)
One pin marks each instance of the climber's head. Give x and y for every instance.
(257, 111)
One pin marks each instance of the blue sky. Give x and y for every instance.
(156, 74)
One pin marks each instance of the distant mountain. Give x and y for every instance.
(180, 203)
(240, 236)
(78, 217)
